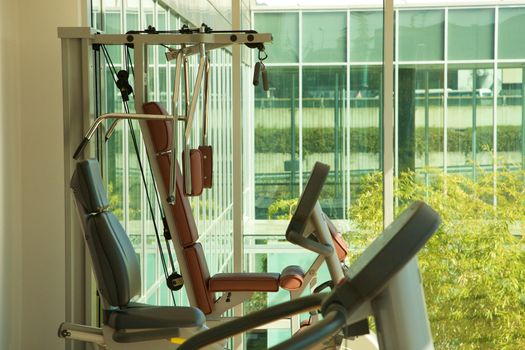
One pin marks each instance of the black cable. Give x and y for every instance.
(137, 152)
(259, 318)
(129, 65)
(150, 205)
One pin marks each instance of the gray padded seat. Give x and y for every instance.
(115, 263)
(145, 316)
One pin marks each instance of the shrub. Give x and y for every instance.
(367, 140)
(473, 267)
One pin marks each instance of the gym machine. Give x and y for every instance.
(355, 298)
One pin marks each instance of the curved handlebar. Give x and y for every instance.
(315, 334)
(310, 244)
(253, 320)
(117, 116)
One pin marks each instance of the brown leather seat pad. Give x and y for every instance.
(161, 136)
(199, 275)
(244, 282)
(341, 248)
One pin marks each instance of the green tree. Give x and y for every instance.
(473, 267)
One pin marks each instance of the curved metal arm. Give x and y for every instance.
(253, 320)
(119, 116)
(310, 244)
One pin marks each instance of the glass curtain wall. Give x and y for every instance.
(459, 145)
(212, 210)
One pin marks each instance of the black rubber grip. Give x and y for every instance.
(256, 73)
(264, 73)
(80, 148)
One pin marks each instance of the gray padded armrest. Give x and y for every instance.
(156, 317)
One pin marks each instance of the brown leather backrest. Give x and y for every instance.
(200, 276)
(161, 136)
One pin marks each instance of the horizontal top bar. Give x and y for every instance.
(167, 39)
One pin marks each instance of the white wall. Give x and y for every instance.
(32, 234)
(10, 184)
(42, 197)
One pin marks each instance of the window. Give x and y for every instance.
(471, 34)
(421, 35)
(511, 26)
(285, 30)
(324, 37)
(366, 36)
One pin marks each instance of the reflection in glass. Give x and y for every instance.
(511, 115)
(421, 35)
(324, 37)
(323, 130)
(276, 140)
(366, 36)
(420, 119)
(365, 126)
(469, 119)
(471, 34)
(285, 31)
(510, 35)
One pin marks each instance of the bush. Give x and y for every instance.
(367, 140)
(282, 209)
(473, 267)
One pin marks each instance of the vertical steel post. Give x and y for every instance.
(238, 217)
(77, 116)
(399, 310)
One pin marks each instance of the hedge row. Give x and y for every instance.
(367, 140)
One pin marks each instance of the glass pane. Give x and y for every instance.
(324, 37)
(323, 129)
(111, 16)
(421, 35)
(285, 30)
(471, 34)
(364, 135)
(420, 120)
(276, 142)
(511, 102)
(511, 29)
(96, 14)
(366, 36)
(469, 119)
(134, 187)
(151, 268)
(115, 171)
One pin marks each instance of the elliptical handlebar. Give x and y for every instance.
(310, 244)
(305, 207)
(253, 320)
